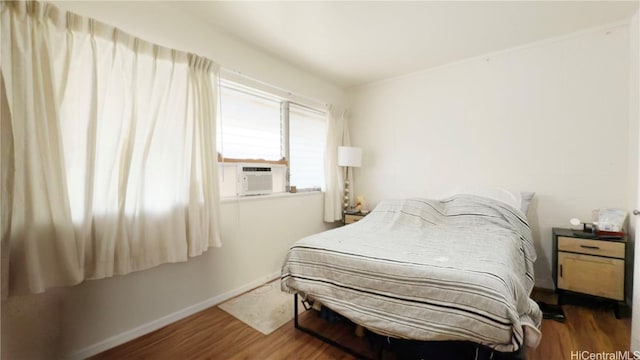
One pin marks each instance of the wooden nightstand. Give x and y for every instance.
(590, 265)
(350, 218)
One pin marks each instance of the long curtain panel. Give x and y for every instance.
(337, 135)
(113, 148)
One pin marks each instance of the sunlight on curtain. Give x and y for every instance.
(337, 135)
(113, 147)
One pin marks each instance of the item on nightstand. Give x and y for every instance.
(611, 222)
(588, 229)
(359, 203)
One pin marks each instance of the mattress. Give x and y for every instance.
(460, 268)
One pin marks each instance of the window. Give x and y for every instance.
(254, 126)
(307, 133)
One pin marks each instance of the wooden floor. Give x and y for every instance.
(214, 334)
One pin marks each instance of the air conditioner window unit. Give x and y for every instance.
(254, 180)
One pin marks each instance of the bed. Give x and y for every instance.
(456, 269)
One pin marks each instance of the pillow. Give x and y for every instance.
(520, 201)
(495, 193)
(525, 200)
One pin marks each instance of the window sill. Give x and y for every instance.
(230, 199)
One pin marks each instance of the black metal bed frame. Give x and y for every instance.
(481, 351)
(317, 335)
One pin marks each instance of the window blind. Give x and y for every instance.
(307, 136)
(250, 126)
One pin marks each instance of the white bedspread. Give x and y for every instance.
(455, 269)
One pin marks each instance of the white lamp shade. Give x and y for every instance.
(349, 156)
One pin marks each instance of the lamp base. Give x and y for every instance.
(347, 199)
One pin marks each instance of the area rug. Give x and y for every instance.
(265, 308)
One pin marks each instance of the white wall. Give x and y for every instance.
(255, 233)
(550, 117)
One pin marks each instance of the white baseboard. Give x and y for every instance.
(165, 320)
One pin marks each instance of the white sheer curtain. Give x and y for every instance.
(337, 135)
(113, 145)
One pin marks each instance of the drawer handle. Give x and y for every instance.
(560, 270)
(590, 247)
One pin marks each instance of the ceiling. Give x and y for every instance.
(350, 43)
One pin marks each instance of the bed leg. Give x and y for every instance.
(295, 311)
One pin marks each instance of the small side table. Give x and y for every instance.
(589, 265)
(350, 218)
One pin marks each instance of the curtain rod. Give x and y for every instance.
(243, 89)
(273, 87)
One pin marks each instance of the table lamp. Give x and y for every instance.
(348, 157)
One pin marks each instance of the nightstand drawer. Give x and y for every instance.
(592, 247)
(350, 219)
(591, 275)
